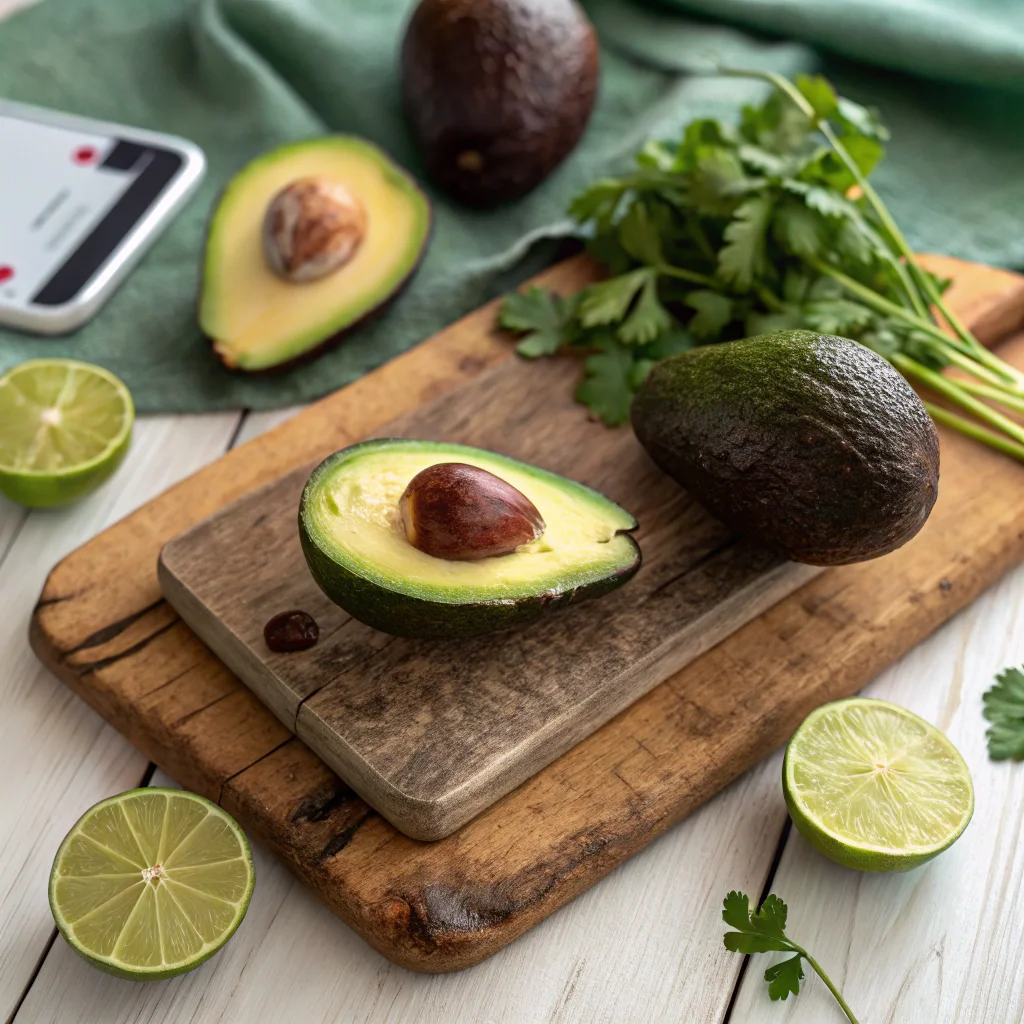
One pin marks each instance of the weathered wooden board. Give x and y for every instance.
(102, 626)
(430, 733)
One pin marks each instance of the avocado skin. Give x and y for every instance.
(497, 92)
(810, 444)
(402, 615)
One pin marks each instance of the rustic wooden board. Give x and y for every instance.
(430, 733)
(102, 626)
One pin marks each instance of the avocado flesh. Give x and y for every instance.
(357, 550)
(812, 445)
(255, 320)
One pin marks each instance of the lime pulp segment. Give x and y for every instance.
(64, 427)
(875, 787)
(150, 883)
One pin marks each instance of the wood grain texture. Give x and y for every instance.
(645, 946)
(445, 905)
(941, 943)
(56, 755)
(430, 733)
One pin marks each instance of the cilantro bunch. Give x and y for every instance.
(766, 225)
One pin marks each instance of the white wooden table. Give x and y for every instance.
(942, 944)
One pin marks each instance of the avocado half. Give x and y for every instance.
(256, 321)
(810, 444)
(355, 545)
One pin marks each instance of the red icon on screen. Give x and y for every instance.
(6, 273)
(85, 155)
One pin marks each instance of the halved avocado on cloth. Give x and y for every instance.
(258, 321)
(357, 550)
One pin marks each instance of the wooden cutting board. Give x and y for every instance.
(430, 733)
(103, 627)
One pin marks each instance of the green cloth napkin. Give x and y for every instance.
(241, 76)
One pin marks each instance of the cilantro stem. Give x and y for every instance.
(976, 369)
(975, 431)
(828, 981)
(924, 281)
(1008, 399)
(1005, 373)
(955, 393)
(685, 275)
(879, 303)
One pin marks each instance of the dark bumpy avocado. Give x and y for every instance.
(355, 543)
(812, 445)
(261, 311)
(497, 92)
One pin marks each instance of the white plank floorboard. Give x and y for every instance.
(11, 518)
(943, 943)
(643, 945)
(56, 755)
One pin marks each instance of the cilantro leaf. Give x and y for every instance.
(545, 316)
(1004, 708)
(736, 910)
(760, 932)
(607, 389)
(608, 301)
(853, 241)
(648, 319)
(837, 316)
(798, 228)
(715, 182)
(784, 977)
(742, 258)
(599, 202)
(819, 93)
(789, 319)
(640, 237)
(862, 120)
(764, 931)
(670, 343)
(714, 311)
(827, 202)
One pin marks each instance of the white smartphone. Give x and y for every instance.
(80, 202)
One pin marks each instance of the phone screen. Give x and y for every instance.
(68, 198)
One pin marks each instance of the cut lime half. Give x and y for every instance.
(64, 428)
(151, 883)
(874, 787)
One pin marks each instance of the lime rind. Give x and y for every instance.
(874, 787)
(66, 428)
(174, 915)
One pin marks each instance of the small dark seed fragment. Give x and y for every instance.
(291, 631)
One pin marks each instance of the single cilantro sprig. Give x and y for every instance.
(764, 931)
(1004, 708)
(765, 225)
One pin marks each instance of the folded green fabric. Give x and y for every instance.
(241, 76)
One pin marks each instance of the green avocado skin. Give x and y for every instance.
(810, 444)
(403, 615)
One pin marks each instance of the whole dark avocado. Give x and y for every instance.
(497, 92)
(809, 444)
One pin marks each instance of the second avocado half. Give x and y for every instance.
(810, 444)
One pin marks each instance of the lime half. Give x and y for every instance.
(874, 787)
(64, 428)
(151, 883)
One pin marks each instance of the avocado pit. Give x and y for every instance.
(313, 227)
(459, 512)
